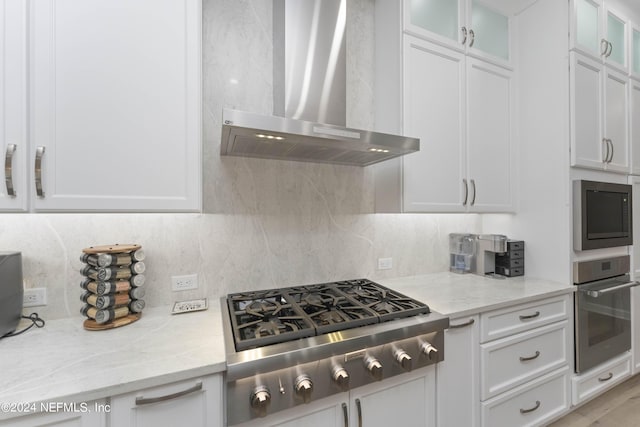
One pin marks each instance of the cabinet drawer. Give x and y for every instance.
(531, 404)
(512, 361)
(600, 378)
(507, 321)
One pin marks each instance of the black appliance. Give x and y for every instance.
(602, 216)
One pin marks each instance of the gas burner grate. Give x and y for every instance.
(272, 316)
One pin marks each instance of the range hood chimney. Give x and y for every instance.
(309, 81)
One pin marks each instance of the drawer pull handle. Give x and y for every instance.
(607, 378)
(145, 401)
(462, 325)
(38, 171)
(530, 316)
(345, 414)
(526, 411)
(8, 170)
(525, 359)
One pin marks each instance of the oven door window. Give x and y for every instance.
(603, 326)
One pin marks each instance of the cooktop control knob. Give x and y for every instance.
(403, 359)
(304, 387)
(374, 367)
(260, 399)
(340, 376)
(430, 351)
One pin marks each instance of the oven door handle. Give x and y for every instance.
(596, 294)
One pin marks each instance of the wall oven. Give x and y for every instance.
(602, 310)
(602, 216)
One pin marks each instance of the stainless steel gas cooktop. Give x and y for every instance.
(289, 346)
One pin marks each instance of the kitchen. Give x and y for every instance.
(269, 224)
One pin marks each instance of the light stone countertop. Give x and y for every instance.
(457, 295)
(63, 362)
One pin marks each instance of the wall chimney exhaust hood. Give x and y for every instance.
(309, 80)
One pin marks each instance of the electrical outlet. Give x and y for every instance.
(34, 297)
(385, 263)
(184, 283)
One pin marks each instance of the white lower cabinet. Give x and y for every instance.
(458, 375)
(60, 414)
(524, 362)
(593, 382)
(407, 400)
(515, 360)
(195, 403)
(532, 404)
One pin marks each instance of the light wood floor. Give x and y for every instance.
(619, 407)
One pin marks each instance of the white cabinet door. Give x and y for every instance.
(615, 29)
(434, 112)
(616, 120)
(332, 411)
(406, 400)
(489, 110)
(587, 26)
(458, 399)
(442, 21)
(14, 192)
(587, 146)
(634, 137)
(115, 103)
(490, 31)
(634, 56)
(193, 403)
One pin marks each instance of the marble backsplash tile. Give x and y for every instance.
(266, 223)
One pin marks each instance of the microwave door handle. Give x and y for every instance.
(596, 294)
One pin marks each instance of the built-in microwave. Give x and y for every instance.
(602, 216)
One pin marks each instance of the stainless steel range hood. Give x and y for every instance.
(309, 76)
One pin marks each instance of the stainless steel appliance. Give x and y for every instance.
(289, 346)
(602, 310)
(11, 291)
(487, 246)
(309, 93)
(602, 216)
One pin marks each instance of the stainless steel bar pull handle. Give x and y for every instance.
(466, 192)
(462, 325)
(359, 409)
(464, 34)
(612, 150)
(526, 411)
(8, 170)
(605, 142)
(473, 38)
(596, 294)
(38, 171)
(345, 413)
(145, 401)
(610, 49)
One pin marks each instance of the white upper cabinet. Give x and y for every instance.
(600, 32)
(634, 51)
(634, 103)
(469, 26)
(14, 192)
(599, 120)
(458, 104)
(116, 105)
